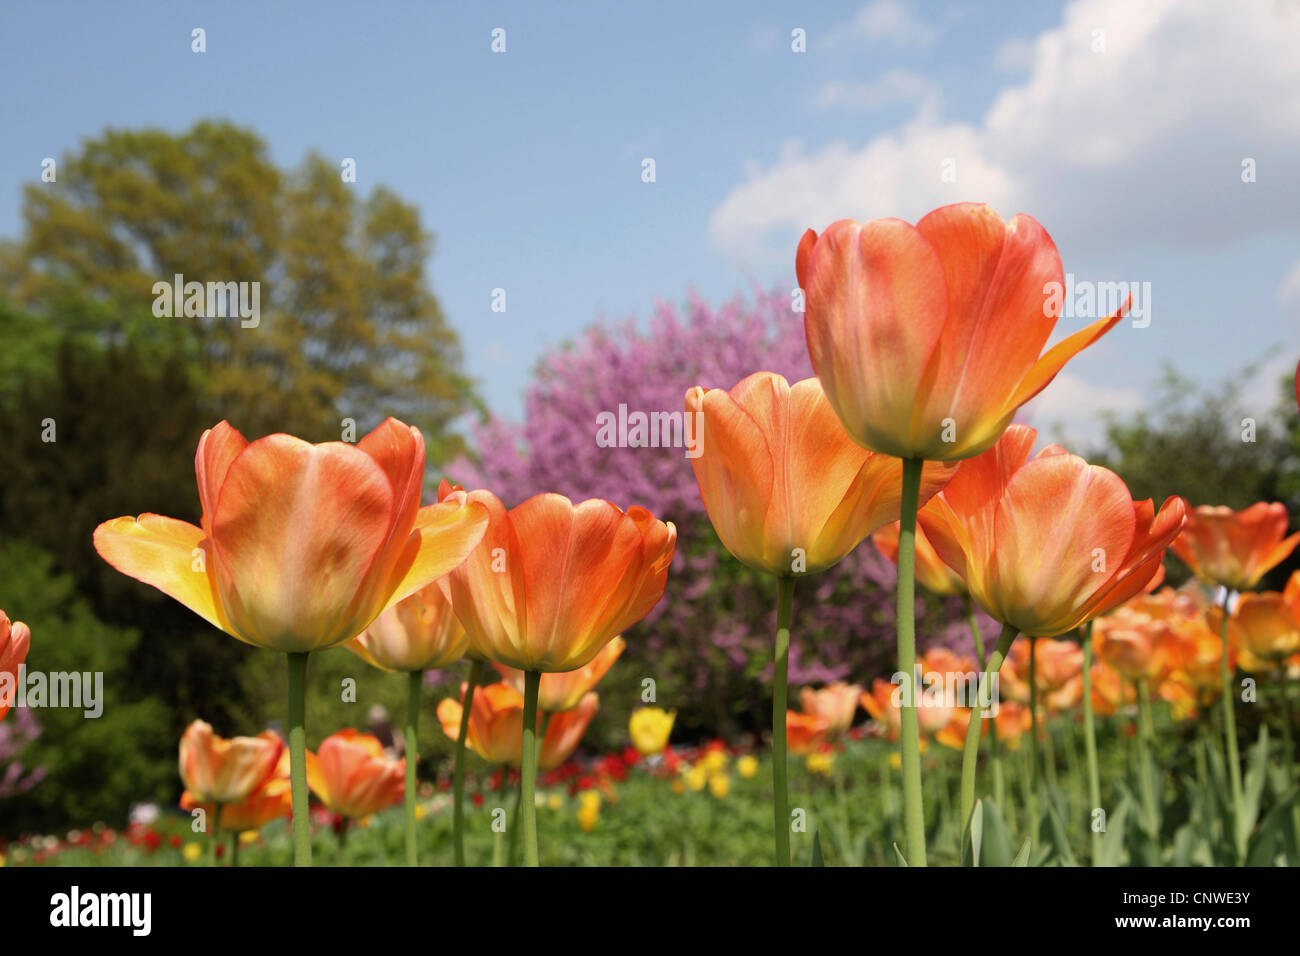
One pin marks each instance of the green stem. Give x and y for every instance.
(1144, 740)
(528, 767)
(458, 774)
(414, 679)
(1229, 719)
(1033, 745)
(1049, 751)
(1090, 745)
(298, 758)
(970, 752)
(216, 835)
(1288, 741)
(975, 632)
(1287, 716)
(513, 843)
(499, 836)
(780, 797)
(913, 798)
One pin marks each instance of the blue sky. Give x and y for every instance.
(527, 164)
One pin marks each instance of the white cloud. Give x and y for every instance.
(1144, 140)
(1014, 56)
(886, 21)
(1070, 410)
(892, 88)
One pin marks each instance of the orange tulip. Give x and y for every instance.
(217, 770)
(552, 582)
(1110, 691)
(496, 725)
(1265, 626)
(1137, 639)
(352, 775)
(301, 546)
(561, 692)
(934, 710)
(804, 733)
(15, 639)
(1235, 548)
(271, 801)
(496, 721)
(1011, 721)
(418, 633)
(927, 338)
(1058, 667)
(1194, 678)
(835, 703)
(787, 490)
(931, 571)
(563, 732)
(1046, 544)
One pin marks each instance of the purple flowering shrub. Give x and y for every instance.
(709, 641)
(18, 729)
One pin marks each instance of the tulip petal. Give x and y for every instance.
(998, 321)
(160, 552)
(1145, 558)
(218, 449)
(876, 301)
(735, 473)
(1047, 367)
(296, 530)
(564, 732)
(575, 567)
(445, 534)
(1062, 527)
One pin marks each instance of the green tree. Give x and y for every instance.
(1211, 446)
(348, 326)
(112, 432)
(96, 767)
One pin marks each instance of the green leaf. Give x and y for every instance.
(976, 832)
(1022, 858)
(1273, 834)
(996, 848)
(902, 860)
(1060, 841)
(817, 849)
(1253, 789)
(1112, 841)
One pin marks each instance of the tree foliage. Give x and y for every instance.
(348, 324)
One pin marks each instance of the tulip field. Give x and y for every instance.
(304, 547)
(808, 577)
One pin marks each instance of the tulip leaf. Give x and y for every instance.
(902, 860)
(1022, 858)
(1112, 842)
(976, 832)
(995, 846)
(1060, 842)
(1274, 836)
(1253, 789)
(817, 849)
